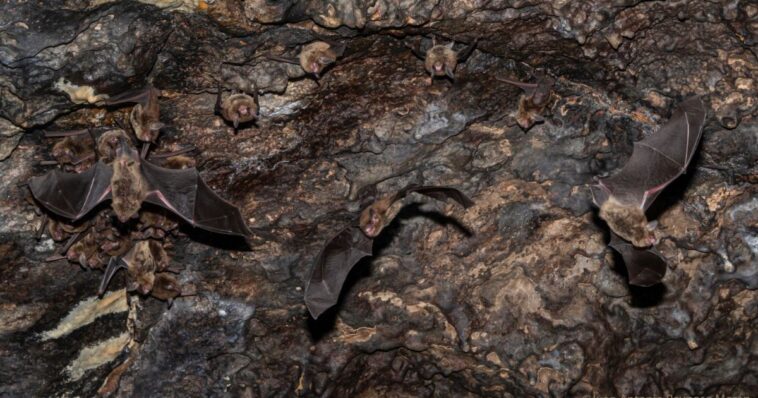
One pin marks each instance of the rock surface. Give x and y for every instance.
(532, 304)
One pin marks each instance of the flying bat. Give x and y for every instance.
(645, 266)
(441, 60)
(315, 57)
(131, 180)
(535, 98)
(355, 242)
(656, 161)
(623, 198)
(145, 115)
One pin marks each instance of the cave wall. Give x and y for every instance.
(531, 303)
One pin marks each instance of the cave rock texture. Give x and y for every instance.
(518, 295)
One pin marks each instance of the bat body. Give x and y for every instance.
(142, 262)
(355, 242)
(645, 266)
(129, 182)
(238, 107)
(145, 116)
(535, 98)
(315, 57)
(441, 60)
(624, 197)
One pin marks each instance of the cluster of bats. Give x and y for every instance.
(150, 194)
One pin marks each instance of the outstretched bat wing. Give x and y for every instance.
(73, 195)
(184, 193)
(645, 267)
(137, 96)
(332, 266)
(439, 193)
(660, 158)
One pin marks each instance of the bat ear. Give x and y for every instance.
(652, 225)
(449, 72)
(450, 45)
(154, 126)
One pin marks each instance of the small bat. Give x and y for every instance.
(623, 198)
(238, 107)
(645, 266)
(355, 242)
(145, 116)
(131, 180)
(656, 161)
(142, 262)
(315, 57)
(441, 60)
(536, 97)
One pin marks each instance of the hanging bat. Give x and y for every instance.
(241, 106)
(131, 180)
(656, 161)
(142, 262)
(315, 57)
(441, 60)
(535, 98)
(145, 116)
(355, 242)
(645, 266)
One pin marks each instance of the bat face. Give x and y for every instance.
(316, 56)
(629, 222)
(441, 60)
(127, 185)
(239, 108)
(108, 143)
(375, 217)
(165, 287)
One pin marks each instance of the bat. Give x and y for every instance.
(623, 198)
(441, 60)
(645, 266)
(131, 180)
(535, 98)
(145, 116)
(315, 57)
(537, 93)
(108, 142)
(347, 248)
(238, 107)
(142, 262)
(655, 162)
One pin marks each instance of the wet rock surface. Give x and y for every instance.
(532, 303)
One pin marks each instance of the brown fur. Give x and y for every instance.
(179, 162)
(145, 259)
(146, 120)
(166, 287)
(74, 150)
(441, 60)
(107, 144)
(628, 222)
(128, 187)
(375, 217)
(239, 108)
(316, 56)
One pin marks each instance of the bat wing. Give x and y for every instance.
(280, 58)
(184, 193)
(137, 96)
(645, 267)
(466, 52)
(660, 158)
(439, 193)
(332, 266)
(73, 195)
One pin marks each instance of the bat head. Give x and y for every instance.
(371, 222)
(440, 61)
(109, 142)
(166, 287)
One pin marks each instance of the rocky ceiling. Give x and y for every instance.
(531, 303)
